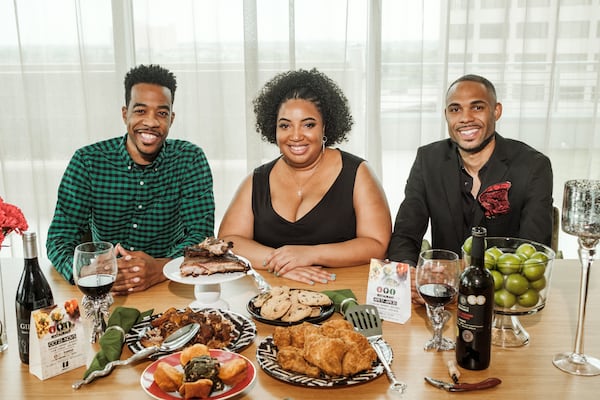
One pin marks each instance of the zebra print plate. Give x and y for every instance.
(266, 355)
(243, 334)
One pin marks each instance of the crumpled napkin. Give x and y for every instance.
(111, 342)
(338, 296)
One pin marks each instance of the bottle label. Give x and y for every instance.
(471, 315)
(23, 338)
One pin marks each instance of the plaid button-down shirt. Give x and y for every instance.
(158, 208)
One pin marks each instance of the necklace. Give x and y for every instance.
(300, 186)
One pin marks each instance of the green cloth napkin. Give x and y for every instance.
(337, 296)
(111, 342)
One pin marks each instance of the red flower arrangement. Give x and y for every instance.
(494, 199)
(11, 219)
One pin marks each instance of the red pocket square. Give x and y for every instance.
(494, 199)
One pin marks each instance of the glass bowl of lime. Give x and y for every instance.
(521, 270)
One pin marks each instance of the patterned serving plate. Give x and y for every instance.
(266, 356)
(244, 332)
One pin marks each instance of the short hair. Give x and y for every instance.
(152, 73)
(313, 86)
(475, 78)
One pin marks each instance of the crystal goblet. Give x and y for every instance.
(581, 218)
(94, 271)
(437, 283)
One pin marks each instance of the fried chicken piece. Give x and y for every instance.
(292, 359)
(355, 361)
(298, 333)
(282, 337)
(326, 353)
(331, 327)
(358, 341)
(359, 355)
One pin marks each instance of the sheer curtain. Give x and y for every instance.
(62, 64)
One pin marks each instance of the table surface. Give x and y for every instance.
(526, 372)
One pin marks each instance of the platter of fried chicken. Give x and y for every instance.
(209, 262)
(219, 329)
(329, 355)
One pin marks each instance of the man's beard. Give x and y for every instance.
(481, 146)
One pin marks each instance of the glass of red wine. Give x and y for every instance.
(94, 272)
(437, 283)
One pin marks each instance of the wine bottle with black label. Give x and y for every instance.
(475, 309)
(33, 293)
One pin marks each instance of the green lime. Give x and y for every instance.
(495, 251)
(533, 269)
(498, 279)
(529, 298)
(509, 263)
(539, 284)
(467, 245)
(540, 255)
(489, 260)
(517, 284)
(526, 249)
(504, 298)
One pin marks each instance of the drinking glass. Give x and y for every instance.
(581, 218)
(437, 283)
(94, 272)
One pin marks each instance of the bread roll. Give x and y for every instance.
(199, 389)
(233, 372)
(196, 350)
(167, 377)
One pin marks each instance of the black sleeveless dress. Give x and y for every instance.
(332, 220)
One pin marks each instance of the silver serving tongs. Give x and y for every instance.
(365, 319)
(174, 341)
(261, 283)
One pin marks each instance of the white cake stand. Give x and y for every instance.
(207, 288)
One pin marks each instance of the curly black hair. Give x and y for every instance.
(313, 86)
(149, 74)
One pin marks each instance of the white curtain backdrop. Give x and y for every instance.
(62, 64)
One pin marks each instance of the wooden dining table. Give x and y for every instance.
(526, 372)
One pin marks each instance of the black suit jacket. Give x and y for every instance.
(433, 194)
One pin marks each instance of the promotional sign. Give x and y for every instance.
(56, 340)
(389, 290)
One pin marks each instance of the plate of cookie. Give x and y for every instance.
(284, 306)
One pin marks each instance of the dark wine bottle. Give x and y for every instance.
(33, 293)
(475, 309)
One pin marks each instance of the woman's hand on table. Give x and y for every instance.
(309, 275)
(294, 262)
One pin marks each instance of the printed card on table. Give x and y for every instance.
(56, 340)
(389, 290)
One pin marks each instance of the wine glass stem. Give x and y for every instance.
(586, 257)
(436, 316)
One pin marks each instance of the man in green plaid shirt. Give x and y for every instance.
(148, 195)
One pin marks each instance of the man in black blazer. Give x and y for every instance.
(474, 178)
